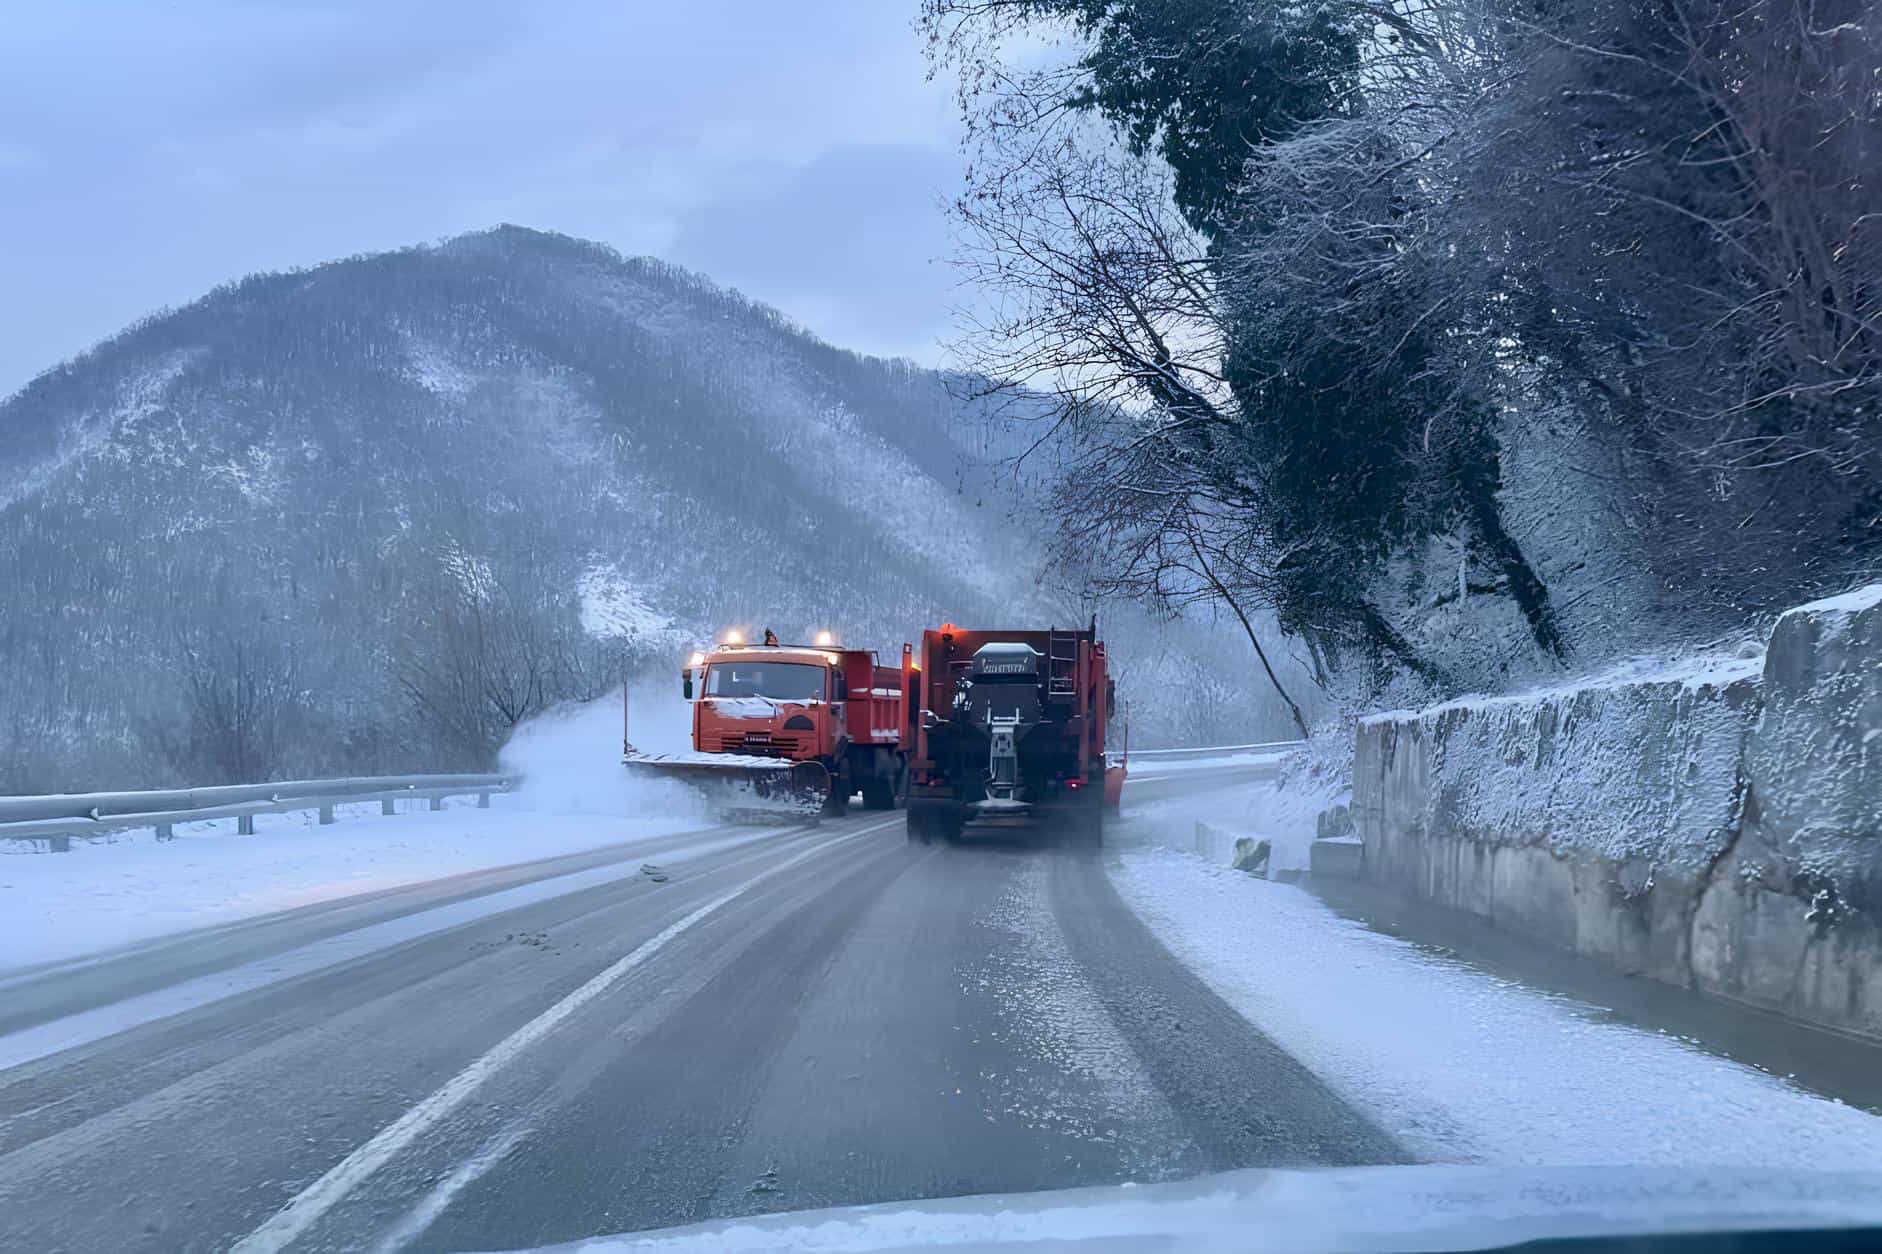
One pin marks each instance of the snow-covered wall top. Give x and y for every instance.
(1645, 758)
(1635, 767)
(1716, 823)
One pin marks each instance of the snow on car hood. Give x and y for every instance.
(1358, 1209)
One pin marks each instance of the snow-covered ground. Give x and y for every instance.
(110, 893)
(1462, 1066)
(1262, 808)
(131, 888)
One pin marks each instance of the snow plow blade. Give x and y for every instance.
(740, 787)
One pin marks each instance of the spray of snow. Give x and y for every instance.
(570, 757)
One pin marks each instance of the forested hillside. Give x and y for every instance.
(369, 516)
(1476, 340)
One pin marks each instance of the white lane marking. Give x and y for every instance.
(306, 1208)
(87, 1026)
(421, 1216)
(429, 1207)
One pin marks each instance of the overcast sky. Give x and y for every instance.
(151, 150)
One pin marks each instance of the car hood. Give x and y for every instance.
(1366, 1208)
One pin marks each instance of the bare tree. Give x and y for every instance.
(240, 705)
(480, 657)
(1107, 306)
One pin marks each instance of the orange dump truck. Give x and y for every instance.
(793, 729)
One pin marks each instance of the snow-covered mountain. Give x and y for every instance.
(254, 534)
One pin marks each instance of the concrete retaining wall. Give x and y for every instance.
(1717, 825)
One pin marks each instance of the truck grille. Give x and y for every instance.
(766, 746)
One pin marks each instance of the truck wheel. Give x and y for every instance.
(930, 820)
(837, 804)
(878, 794)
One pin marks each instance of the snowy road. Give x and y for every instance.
(794, 1018)
(799, 1018)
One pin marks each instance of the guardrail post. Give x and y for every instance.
(483, 801)
(437, 803)
(59, 844)
(166, 832)
(326, 814)
(244, 825)
(386, 806)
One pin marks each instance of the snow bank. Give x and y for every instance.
(108, 893)
(1462, 1066)
(132, 887)
(1714, 823)
(1263, 810)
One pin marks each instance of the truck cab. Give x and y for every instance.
(808, 703)
(771, 701)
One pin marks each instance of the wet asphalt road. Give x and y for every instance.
(794, 1018)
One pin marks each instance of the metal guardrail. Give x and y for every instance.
(56, 818)
(1211, 751)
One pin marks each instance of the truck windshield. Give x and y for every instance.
(781, 681)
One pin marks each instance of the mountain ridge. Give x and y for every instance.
(363, 516)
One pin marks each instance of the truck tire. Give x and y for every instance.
(837, 804)
(925, 822)
(930, 820)
(878, 794)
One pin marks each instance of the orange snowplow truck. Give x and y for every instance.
(793, 729)
(1010, 732)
